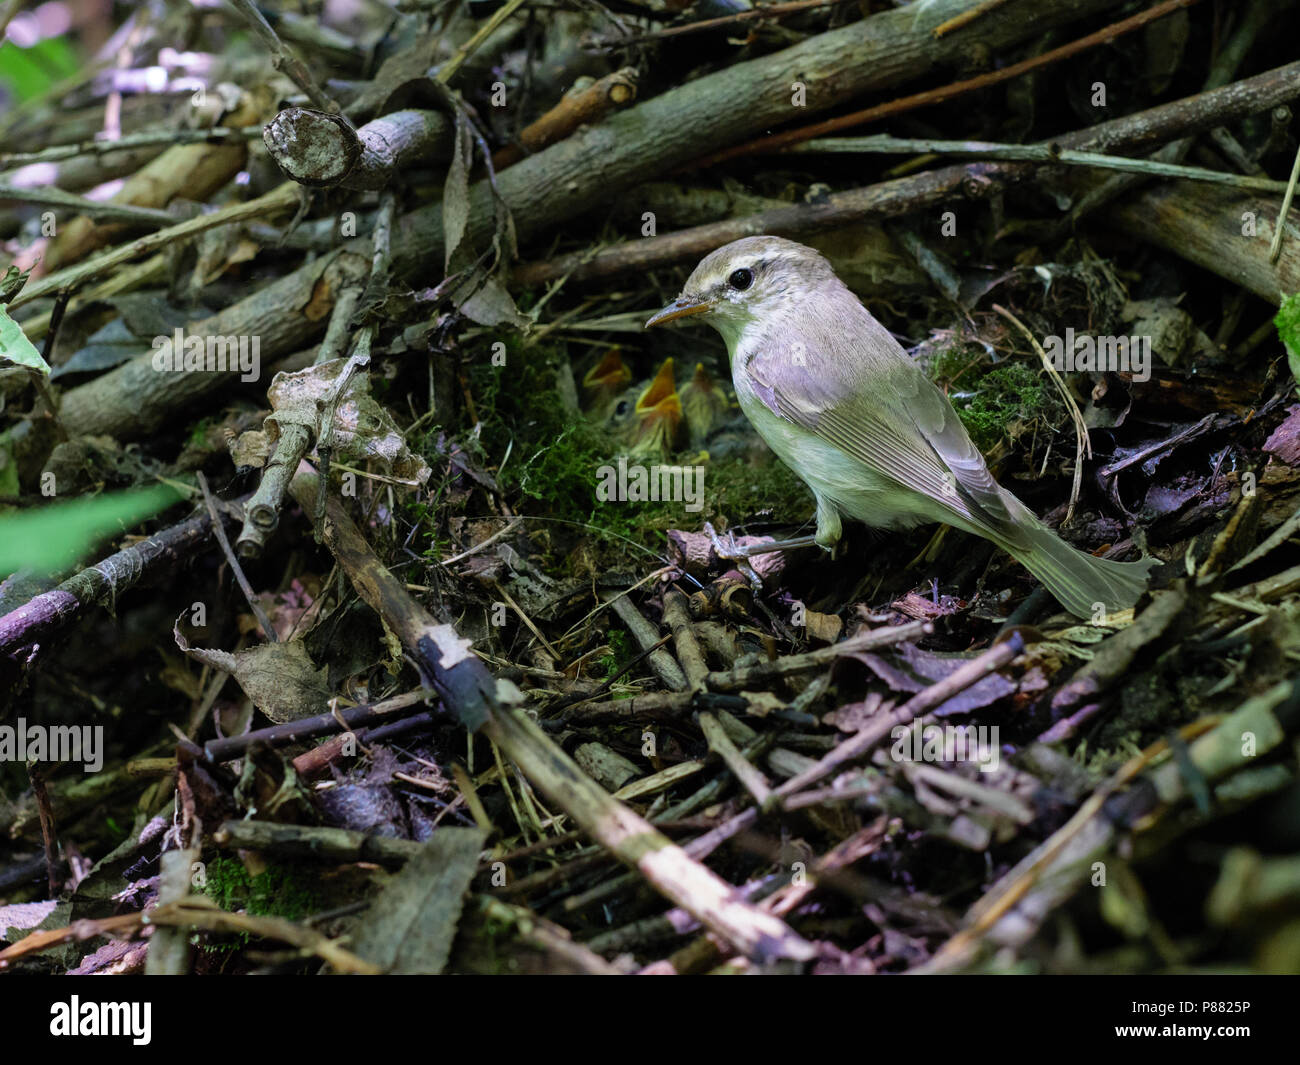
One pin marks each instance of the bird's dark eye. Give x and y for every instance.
(623, 407)
(741, 279)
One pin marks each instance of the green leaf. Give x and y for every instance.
(15, 346)
(12, 283)
(54, 537)
(29, 72)
(1288, 328)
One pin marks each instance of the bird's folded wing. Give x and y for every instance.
(879, 407)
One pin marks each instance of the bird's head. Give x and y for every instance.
(757, 279)
(604, 383)
(644, 418)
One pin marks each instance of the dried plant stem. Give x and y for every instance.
(1035, 153)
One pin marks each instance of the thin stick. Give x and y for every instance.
(150, 139)
(1082, 441)
(449, 68)
(555, 655)
(966, 17)
(235, 568)
(108, 210)
(48, 838)
(281, 198)
(1275, 249)
(482, 545)
(284, 59)
(720, 744)
(1034, 153)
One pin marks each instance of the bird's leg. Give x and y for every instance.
(729, 550)
(829, 529)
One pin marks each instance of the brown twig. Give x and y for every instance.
(966, 17)
(582, 108)
(232, 747)
(48, 838)
(249, 596)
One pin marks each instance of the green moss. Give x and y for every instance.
(738, 489)
(279, 891)
(1288, 329)
(199, 432)
(553, 453)
(554, 459)
(994, 404)
(620, 652)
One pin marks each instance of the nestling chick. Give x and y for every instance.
(604, 383)
(645, 419)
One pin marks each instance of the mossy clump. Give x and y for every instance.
(1288, 329)
(995, 403)
(548, 460)
(554, 453)
(279, 891)
(621, 650)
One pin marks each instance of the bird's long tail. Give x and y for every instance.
(1084, 585)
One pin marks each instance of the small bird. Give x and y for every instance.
(604, 383)
(841, 403)
(645, 419)
(657, 426)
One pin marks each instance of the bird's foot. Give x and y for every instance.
(728, 550)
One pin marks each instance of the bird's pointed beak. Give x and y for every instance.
(682, 307)
(659, 413)
(661, 394)
(610, 373)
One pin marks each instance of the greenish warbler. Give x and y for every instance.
(844, 406)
